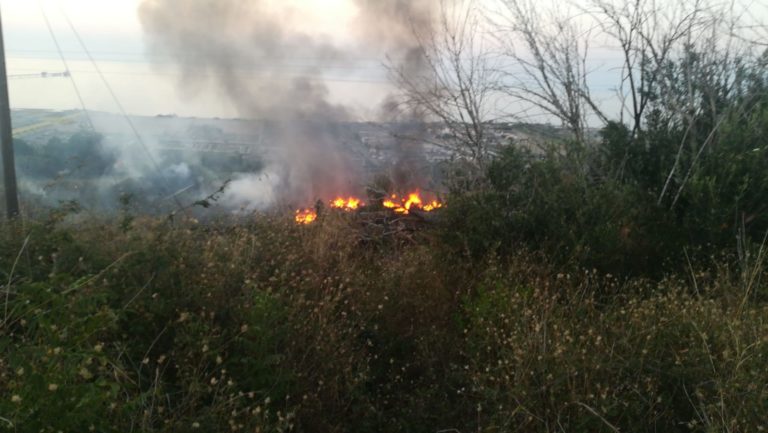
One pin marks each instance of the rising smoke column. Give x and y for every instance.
(391, 25)
(243, 48)
(395, 27)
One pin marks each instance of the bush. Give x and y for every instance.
(544, 360)
(541, 203)
(262, 325)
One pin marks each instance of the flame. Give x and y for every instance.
(414, 201)
(348, 204)
(399, 205)
(306, 216)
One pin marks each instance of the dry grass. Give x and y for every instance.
(261, 325)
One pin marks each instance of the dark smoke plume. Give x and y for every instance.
(395, 25)
(221, 43)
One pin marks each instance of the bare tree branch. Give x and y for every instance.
(458, 82)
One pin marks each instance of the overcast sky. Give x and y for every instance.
(112, 32)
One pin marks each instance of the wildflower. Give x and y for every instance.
(16, 398)
(53, 387)
(85, 373)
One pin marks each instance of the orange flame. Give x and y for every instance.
(414, 201)
(432, 206)
(402, 206)
(348, 204)
(306, 216)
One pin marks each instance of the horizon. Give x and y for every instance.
(148, 83)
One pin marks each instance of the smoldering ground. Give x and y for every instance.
(106, 167)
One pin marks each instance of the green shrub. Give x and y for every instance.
(262, 325)
(540, 203)
(542, 361)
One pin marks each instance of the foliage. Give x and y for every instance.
(608, 284)
(545, 203)
(261, 325)
(635, 202)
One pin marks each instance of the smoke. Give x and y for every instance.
(396, 26)
(393, 25)
(249, 192)
(262, 59)
(243, 48)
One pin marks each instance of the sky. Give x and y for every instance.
(113, 34)
(148, 86)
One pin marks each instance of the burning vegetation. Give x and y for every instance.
(413, 201)
(348, 204)
(305, 216)
(400, 205)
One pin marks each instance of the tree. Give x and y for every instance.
(646, 33)
(548, 64)
(455, 80)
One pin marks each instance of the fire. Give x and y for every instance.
(399, 205)
(306, 216)
(348, 204)
(434, 204)
(413, 201)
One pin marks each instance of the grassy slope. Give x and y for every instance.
(260, 325)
